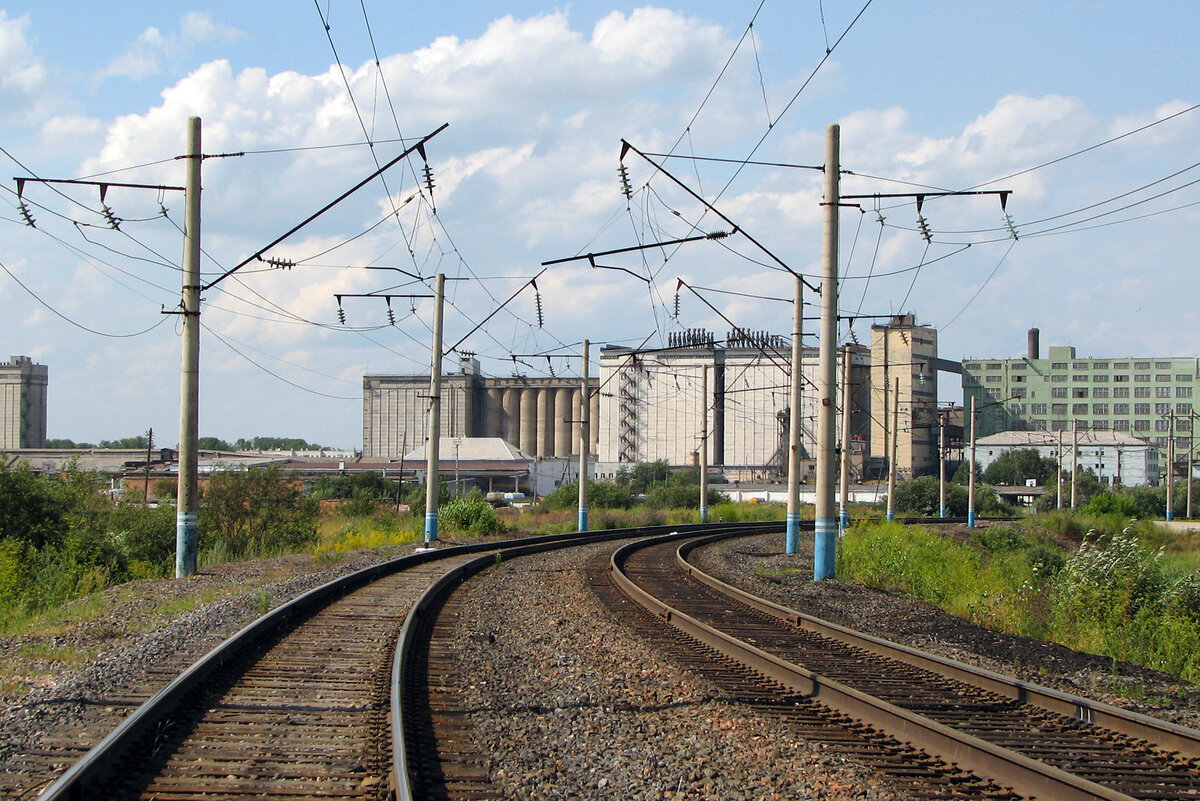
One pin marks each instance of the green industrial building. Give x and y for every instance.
(1146, 397)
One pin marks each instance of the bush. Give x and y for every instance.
(470, 513)
(601, 495)
(999, 539)
(257, 512)
(922, 497)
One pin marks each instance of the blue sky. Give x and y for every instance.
(537, 97)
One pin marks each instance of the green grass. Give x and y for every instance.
(1116, 594)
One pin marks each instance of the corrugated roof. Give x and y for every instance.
(482, 449)
(1030, 439)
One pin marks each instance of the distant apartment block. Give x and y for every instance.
(23, 403)
(1150, 398)
(904, 358)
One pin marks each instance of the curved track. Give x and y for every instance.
(992, 731)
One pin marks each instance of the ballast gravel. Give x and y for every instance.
(570, 703)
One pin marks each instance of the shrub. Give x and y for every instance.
(259, 511)
(470, 513)
(999, 538)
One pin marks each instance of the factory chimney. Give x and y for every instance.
(1034, 344)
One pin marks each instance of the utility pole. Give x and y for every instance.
(704, 444)
(971, 472)
(942, 464)
(146, 486)
(1074, 459)
(844, 516)
(584, 441)
(1059, 500)
(187, 505)
(432, 450)
(792, 543)
(825, 536)
(1191, 451)
(891, 491)
(1171, 466)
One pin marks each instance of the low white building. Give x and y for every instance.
(1114, 456)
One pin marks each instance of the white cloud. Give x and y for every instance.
(146, 56)
(23, 77)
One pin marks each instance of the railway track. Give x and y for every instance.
(1039, 742)
(317, 699)
(302, 703)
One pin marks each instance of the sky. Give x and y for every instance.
(1083, 111)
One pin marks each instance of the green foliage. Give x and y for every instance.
(922, 497)
(213, 444)
(370, 485)
(260, 511)
(1012, 468)
(1088, 486)
(909, 559)
(680, 496)
(470, 513)
(1111, 596)
(999, 539)
(601, 495)
(33, 509)
(643, 474)
(275, 444)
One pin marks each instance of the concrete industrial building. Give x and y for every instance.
(540, 416)
(23, 403)
(646, 405)
(651, 405)
(1146, 397)
(904, 356)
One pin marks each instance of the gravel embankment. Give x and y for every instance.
(572, 705)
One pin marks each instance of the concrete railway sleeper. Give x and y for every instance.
(1039, 742)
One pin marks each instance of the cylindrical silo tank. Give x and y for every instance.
(493, 413)
(529, 411)
(545, 422)
(562, 422)
(512, 415)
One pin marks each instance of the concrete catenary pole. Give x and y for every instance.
(942, 464)
(825, 530)
(1171, 466)
(187, 506)
(891, 490)
(1059, 501)
(792, 537)
(971, 471)
(1074, 460)
(844, 500)
(585, 407)
(432, 451)
(1190, 467)
(704, 444)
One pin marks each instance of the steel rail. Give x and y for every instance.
(402, 778)
(85, 778)
(1163, 734)
(1026, 776)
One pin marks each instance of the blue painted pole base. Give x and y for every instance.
(187, 529)
(583, 515)
(825, 549)
(970, 518)
(703, 514)
(1170, 515)
(431, 526)
(942, 513)
(793, 533)
(843, 523)
(891, 515)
